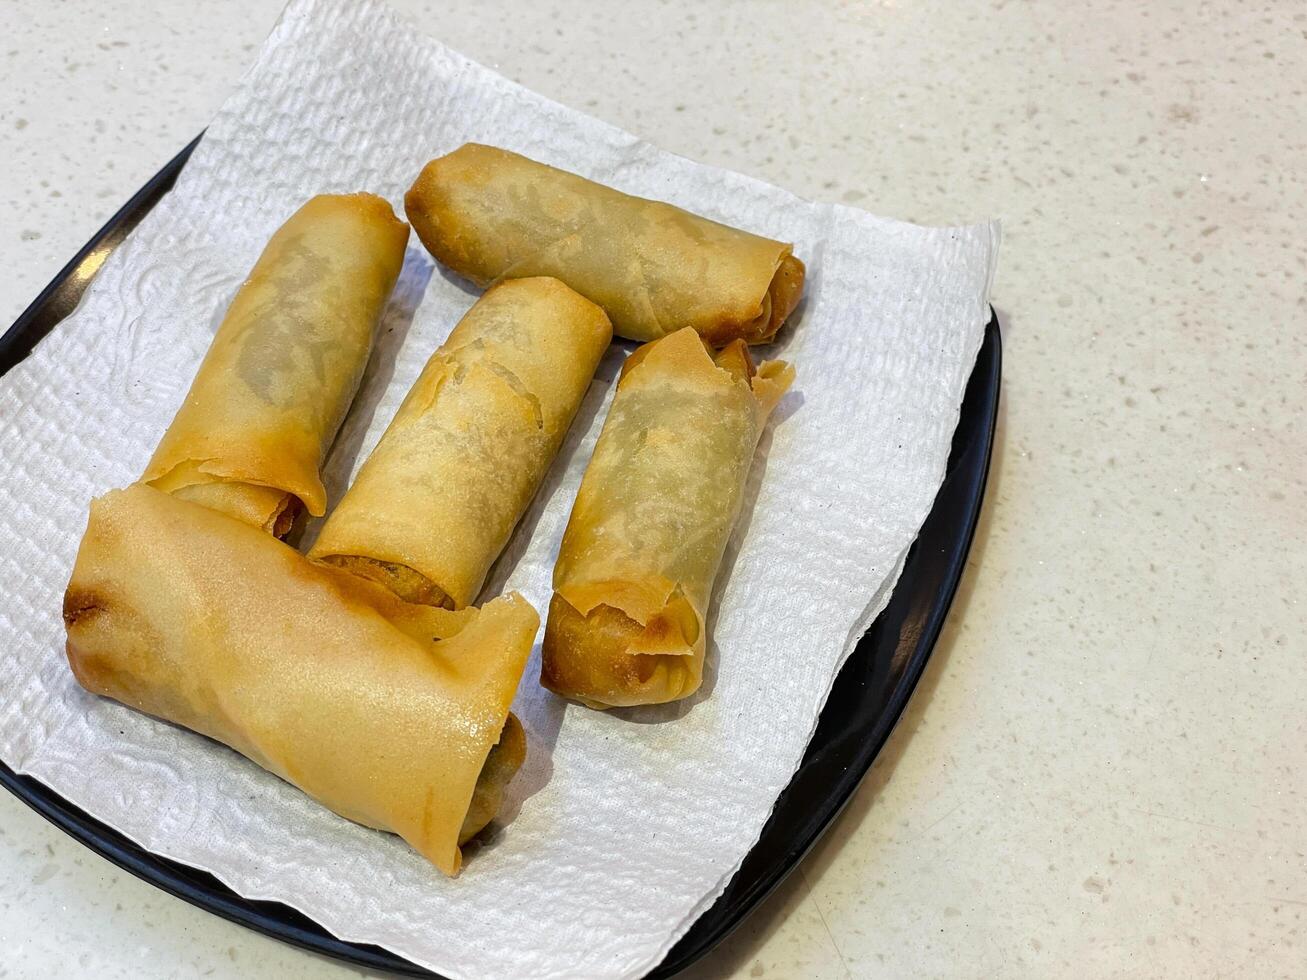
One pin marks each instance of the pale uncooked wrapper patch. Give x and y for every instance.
(621, 831)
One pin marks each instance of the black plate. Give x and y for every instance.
(866, 700)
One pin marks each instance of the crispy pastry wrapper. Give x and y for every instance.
(489, 215)
(437, 500)
(250, 438)
(651, 521)
(384, 711)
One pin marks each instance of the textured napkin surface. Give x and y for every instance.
(623, 826)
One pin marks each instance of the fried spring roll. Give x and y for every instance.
(391, 714)
(250, 438)
(651, 521)
(489, 215)
(436, 501)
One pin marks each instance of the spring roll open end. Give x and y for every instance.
(597, 658)
(782, 296)
(267, 508)
(503, 762)
(407, 583)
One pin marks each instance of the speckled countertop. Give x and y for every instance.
(1102, 772)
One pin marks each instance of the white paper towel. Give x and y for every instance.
(623, 826)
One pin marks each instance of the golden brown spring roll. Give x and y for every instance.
(651, 521)
(386, 712)
(436, 501)
(489, 215)
(250, 438)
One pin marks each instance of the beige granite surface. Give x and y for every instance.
(1102, 772)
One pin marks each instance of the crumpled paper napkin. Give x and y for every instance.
(624, 825)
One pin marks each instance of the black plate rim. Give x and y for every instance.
(979, 420)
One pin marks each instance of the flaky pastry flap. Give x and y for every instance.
(671, 623)
(686, 356)
(268, 508)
